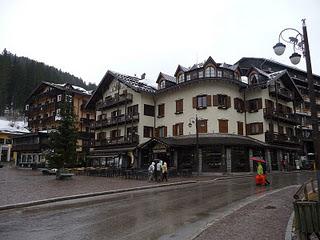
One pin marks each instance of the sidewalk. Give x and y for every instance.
(26, 185)
(265, 218)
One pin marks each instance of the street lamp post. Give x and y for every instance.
(300, 42)
(197, 139)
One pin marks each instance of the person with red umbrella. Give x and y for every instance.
(261, 178)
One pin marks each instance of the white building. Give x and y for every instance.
(236, 120)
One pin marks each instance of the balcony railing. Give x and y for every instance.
(112, 121)
(290, 118)
(282, 93)
(113, 101)
(282, 139)
(121, 140)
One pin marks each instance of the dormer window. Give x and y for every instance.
(253, 79)
(201, 74)
(162, 84)
(210, 72)
(180, 78)
(188, 77)
(219, 73)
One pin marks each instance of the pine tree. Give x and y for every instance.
(64, 140)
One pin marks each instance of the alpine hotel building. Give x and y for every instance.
(243, 110)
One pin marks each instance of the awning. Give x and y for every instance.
(109, 152)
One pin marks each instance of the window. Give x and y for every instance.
(201, 74)
(210, 72)
(222, 101)
(202, 126)
(271, 128)
(114, 134)
(223, 126)
(289, 131)
(147, 132)
(236, 76)
(27, 107)
(228, 74)
(1, 140)
(177, 129)
(240, 128)
(180, 78)
(148, 110)
(161, 110)
(115, 113)
(161, 131)
(59, 98)
(188, 77)
(253, 79)
(201, 101)
(133, 110)
(254, 105)
(132, 131)
(239, 105)
(179, 106)
(8, 141)
(58, 112)
(101, 136)
(255, 128)
(219, 73)
(162, 84)
(280, 129)
(68, 98)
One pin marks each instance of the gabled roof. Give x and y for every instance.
(166, 77)
(62, 87)
(286, 80)
(210, 60)
(180, 68)
(258, 71)
(131, 82)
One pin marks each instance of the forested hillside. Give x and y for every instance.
(20, 75)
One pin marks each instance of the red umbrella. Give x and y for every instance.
(257, 159)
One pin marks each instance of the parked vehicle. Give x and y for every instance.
(52, 171)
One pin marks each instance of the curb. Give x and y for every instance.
(87, 195)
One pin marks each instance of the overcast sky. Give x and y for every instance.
(86, 38)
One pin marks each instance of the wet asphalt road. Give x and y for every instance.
(171, 213)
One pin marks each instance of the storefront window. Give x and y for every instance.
(240, 159)
(213, 159)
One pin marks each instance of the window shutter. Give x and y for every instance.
(259, 103)
(174, 130)
(165, 131)
(228, 101)
(248, 129)
(209, 100)
(235, 104)
(194, 102)
(260, 127)
(215, 100)
(247, 106)
(180, 128)
(156, 132)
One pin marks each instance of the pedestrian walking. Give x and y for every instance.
(158, 171)
(151, 172)
(164, 172)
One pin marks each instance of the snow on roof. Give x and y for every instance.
(18, 127)
(82, 89)
(134, 82)
(63, 87)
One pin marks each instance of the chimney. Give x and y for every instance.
(143, 76)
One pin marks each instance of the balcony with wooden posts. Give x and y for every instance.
(281, 93)
(118, 120)
(120, 140)
(282, 139)
(289, 118)
(117, 100)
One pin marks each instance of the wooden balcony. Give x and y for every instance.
(289, 118)
(282, 93)
(281, 139)
(115, 101)
(113, 121)
(121, 140)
